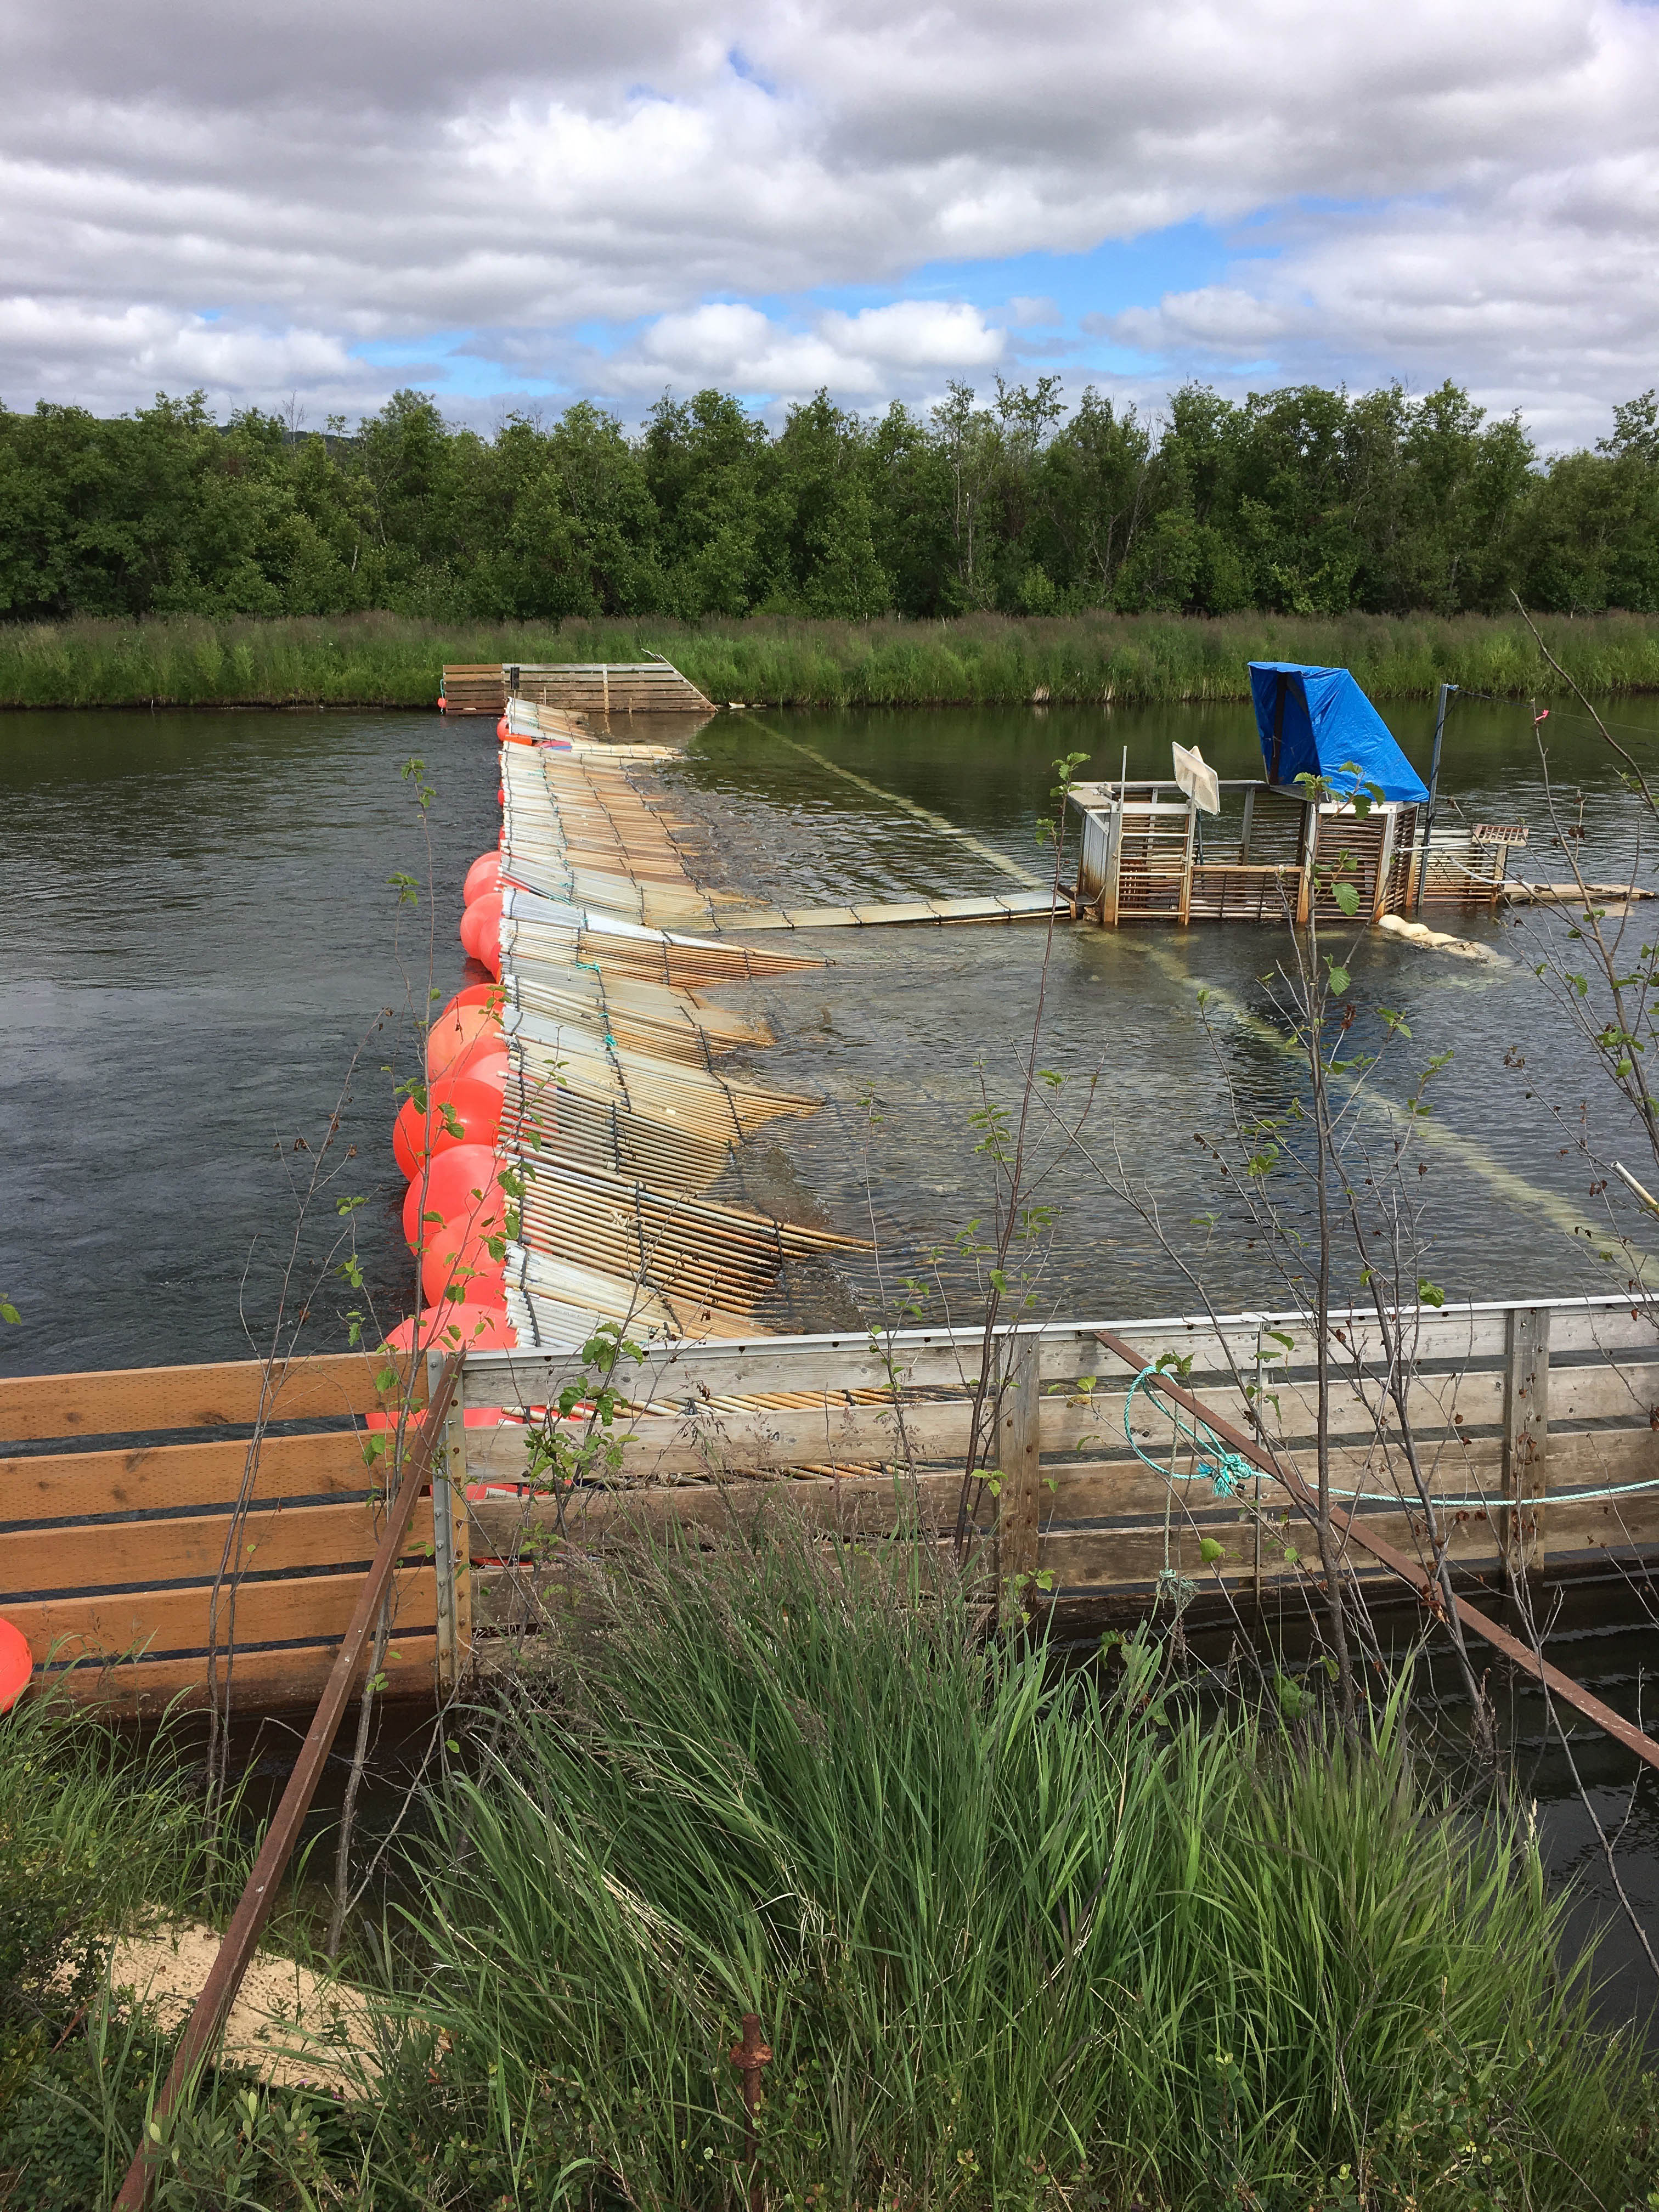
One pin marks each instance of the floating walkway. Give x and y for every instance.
(1000, 906)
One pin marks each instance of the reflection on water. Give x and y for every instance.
(200, 933)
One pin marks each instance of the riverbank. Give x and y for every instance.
(387, 660)
(1016, 1936)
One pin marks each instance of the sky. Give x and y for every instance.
(512, 205)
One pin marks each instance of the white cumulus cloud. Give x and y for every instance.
(1466, 190)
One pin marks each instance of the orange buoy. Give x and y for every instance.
(457, 1269)
(487, 1061)
(480, 931)
(493, 995)
(454, 1035)
(449, 1329)
(484, 875)
(16, 1665)
(460, 1185)
(474, 1108)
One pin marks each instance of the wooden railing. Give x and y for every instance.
(143, 1562)
(1515, 1410)
(147, 1556)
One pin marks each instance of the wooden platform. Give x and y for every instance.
(997, 905)
(635, 687)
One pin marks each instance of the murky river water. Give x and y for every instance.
(200, 933)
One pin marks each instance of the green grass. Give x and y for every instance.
(1014, 1940)
(1017, 1938)
(387, 660)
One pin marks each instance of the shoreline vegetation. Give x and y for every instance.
(391, 661)
(1021, 1938)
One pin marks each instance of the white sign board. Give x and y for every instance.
(1197, 778)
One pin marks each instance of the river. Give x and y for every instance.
(207, 961)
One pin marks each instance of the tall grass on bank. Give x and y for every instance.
(387, 660)
(1014, 1939)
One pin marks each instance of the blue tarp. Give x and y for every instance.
(1316, 721)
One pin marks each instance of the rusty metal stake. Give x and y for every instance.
(749, 2057)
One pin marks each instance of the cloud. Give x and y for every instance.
(264, 193)
(908, 349)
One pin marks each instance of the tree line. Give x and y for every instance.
(1301, 501)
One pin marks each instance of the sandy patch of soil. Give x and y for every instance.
(294, 2028)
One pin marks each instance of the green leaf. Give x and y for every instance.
(9, 1313)
(1339, 979)
(1209, 1550)
(1430, 1293)
(1348, 898)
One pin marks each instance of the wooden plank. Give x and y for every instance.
(1625, 1390)
(1115, 1486)
(936, 1358)
(264, 1681)
(128, 1401)
(1018, 1459)
(374, 1598)
(1096, 1558)
(142, 1554)
(500, 1528)
(172, 1478)
(1409, 1572)
(306, 1611)
(1526, 1434)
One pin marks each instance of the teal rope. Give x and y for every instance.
(1228, 1471)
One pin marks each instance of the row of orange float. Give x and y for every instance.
(444, 1146)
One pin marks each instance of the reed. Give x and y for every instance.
(389, 661)
(1011, 1936)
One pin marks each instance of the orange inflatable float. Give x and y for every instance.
(480, 931)
(455, 1034)
(16, 1665)
(460, 1185)
(493, 995)
(481, 1329)
(457, 1269)
(473, 1108)
(484, 875)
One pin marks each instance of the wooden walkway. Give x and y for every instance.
(998, 906)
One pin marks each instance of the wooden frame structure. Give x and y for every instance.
(185, 1526)
(1146, 853)
(1534, 1421)
(598, 687)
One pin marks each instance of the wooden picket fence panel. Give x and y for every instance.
(1515, 1408)
(645, 687)
(129, 1513)
(141, 1561)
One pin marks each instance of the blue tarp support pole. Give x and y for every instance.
(1446, 690)
(1279, 726)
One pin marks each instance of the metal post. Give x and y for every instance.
(749, 2057)
(1446, 690)
(1279, 727)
